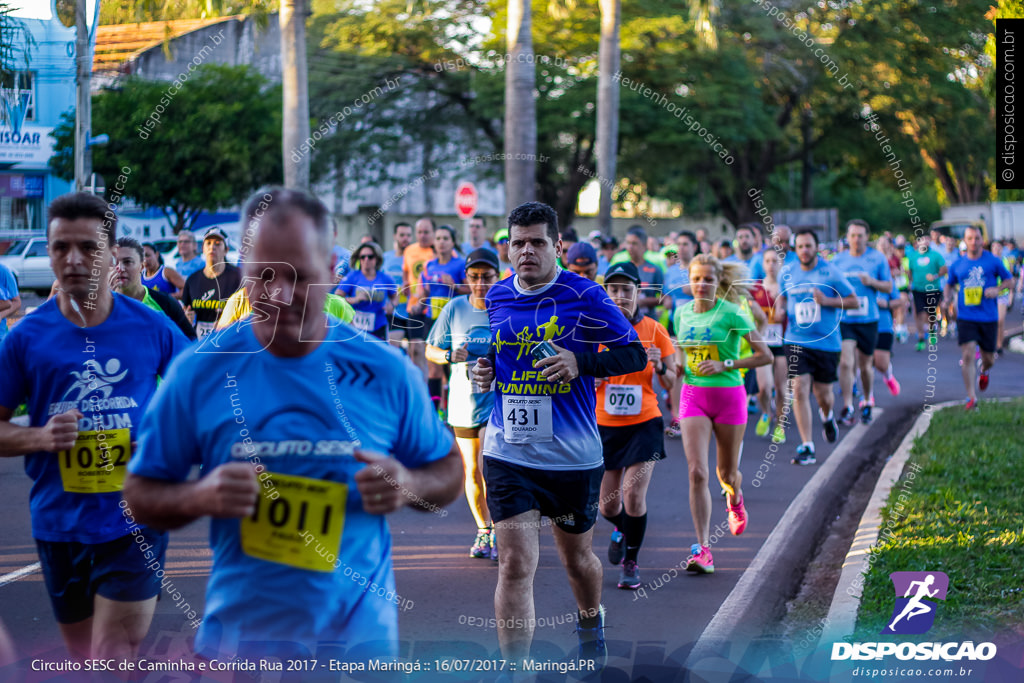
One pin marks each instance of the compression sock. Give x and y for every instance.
(635, 529)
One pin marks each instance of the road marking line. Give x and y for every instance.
(17, 574)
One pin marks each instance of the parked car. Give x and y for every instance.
(30, 263)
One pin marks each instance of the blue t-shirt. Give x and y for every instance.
(186, 268)
(436, 293)
(8, 290)
(885, 314)
(369, 315)
(872, 262)
(974, 276)
(757, 270)
(393, 267)
(749, 262)
(537, 423)
(109, 373)
(676, 277)
(460, 324)
(811, 325)
(298, 417)
(466, 248)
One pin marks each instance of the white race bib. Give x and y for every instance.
(861, 310)
(807, 312)
(773, 334)
(623, 399)
(526, 419)
(363, 320)
(203, 329)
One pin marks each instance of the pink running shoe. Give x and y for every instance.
(737, 517)
(700, 560)
(894, 386)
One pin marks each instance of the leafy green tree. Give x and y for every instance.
(205, 146)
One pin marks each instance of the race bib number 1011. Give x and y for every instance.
(279, 530)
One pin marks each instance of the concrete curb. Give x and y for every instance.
(842, 615)
(770, 579)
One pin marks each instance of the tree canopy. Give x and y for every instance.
(194, 146)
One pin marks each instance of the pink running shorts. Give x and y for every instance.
(722, 405)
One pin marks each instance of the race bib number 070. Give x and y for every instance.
(287, 530)
(97, 462)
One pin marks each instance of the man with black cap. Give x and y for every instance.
(461, 334)
(206, 291)
(582, 260)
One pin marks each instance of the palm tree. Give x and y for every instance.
(607, 138)
(520, 109)
(295, 92)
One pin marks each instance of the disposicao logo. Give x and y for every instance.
(914, 612)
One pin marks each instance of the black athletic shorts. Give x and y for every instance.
(884, 342)
(778, 351)
(632, 444)
(926, 302)
(984, 333)
(822, 366)
(568, 497)
(76, 572)
(865, 334)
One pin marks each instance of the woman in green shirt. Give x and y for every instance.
(713, 399)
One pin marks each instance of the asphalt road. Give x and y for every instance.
(650, 632)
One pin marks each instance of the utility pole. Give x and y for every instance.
(83, 110)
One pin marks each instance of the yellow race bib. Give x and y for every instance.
(308, 513)
(97, 462)
(972, 296)
(437, 304)
(695, 355)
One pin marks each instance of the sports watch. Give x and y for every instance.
(729, 363)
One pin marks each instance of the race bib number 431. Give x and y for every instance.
(97, 462)
(279, 530)
(526, 419)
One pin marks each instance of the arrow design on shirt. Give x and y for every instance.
(355, 374)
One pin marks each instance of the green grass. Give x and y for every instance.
(962, 514)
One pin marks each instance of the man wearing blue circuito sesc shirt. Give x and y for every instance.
(298, 480)
(811, 295)
(980, 278)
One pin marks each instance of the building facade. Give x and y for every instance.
(39, 88)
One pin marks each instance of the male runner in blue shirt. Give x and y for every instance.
(293, 420)
(542, 449)
(86, 364)
(981, 278)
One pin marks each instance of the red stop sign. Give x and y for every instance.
(465, 200)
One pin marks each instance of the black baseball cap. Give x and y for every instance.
(623, 269)
(482, 257)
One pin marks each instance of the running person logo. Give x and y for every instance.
(914, 612)
(95, 378)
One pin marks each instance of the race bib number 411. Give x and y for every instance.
(97, 462)
(278, 530)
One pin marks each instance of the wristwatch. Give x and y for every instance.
(729, 363)
(448, 355)
(663, 369)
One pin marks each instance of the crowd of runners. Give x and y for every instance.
(539, 373)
